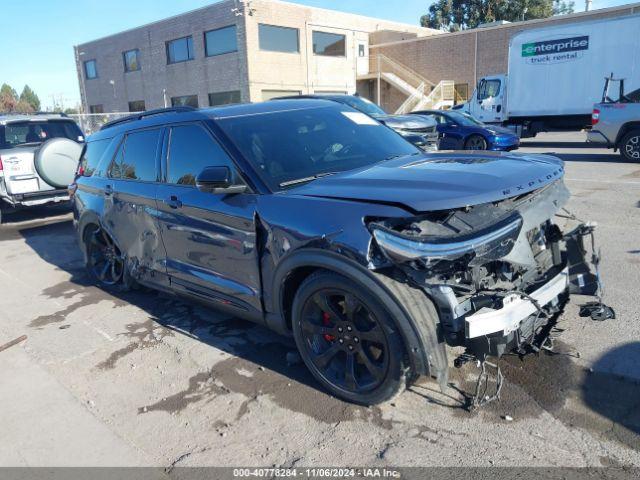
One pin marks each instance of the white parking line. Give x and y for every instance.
(601, 181)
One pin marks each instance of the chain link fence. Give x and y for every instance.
(91, 122)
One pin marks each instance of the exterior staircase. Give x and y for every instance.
(421, 93)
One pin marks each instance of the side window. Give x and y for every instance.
(91, 156)
(115, 170)
(488, 89)
(440, 119)
(191, 149)
(136, 157)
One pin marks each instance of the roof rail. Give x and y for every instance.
(148, 113)
(62, 114)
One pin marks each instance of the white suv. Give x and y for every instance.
(38, 158)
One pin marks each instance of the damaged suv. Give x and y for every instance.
(315, 220)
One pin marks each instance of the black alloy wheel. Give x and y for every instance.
(347, 340)
(104, 260)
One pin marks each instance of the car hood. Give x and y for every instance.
(502, 131)
(440, 181)
(406, 122)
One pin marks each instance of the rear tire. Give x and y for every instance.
(630, 146)
(475, 142)
(348, 340)
(104, 261)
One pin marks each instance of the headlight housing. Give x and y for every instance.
(488, 244)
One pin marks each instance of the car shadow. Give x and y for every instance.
(271, 359)
(27, 216)
(588, 157)
(548, 144)
(612, 390)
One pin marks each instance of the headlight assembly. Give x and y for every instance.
(489, 244)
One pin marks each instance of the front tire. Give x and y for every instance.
(348, 340)
(475, 142)
(630, 146)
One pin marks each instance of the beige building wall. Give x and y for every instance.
(303, 71)
(467, 56)
(156, 79)
(250, 70)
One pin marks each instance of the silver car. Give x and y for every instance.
(38, 158)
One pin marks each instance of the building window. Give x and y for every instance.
(185, 101)
(224, 98)
(131, 60)
(329, 44)
(180, 50)
(90, 69)
(269, 94)
(221, 40)
(278, 39)
(137, 106)
(96, 109)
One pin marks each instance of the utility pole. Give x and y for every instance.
(587, 5)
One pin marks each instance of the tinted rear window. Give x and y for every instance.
(20, 133)
(136, 159)
(93, 152)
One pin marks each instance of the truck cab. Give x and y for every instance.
(488, 100)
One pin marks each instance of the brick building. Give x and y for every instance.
(253, 50)
(229, 52)
(462, 57)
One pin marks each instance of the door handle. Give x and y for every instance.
(108, 190)
(173, 202)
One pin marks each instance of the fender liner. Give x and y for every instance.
(86, 219)
(413, 311)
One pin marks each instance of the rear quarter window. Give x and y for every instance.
(93, 153)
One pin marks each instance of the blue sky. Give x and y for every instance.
(38, 41)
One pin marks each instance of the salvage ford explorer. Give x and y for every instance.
(315, 220)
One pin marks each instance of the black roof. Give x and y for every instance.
(181, 114)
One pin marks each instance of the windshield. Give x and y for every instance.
(21, 133)
(464, 119)
(359, 103)
(304, 144)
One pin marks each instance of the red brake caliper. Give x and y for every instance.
(326, 321)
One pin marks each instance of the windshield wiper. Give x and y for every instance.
(298, 181)
(391, 157)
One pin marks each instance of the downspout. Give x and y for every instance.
(306, 54)
(475, 62)
(379, 78)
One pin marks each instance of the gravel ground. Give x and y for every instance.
(140, 379)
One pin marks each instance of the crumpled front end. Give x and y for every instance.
(499, 273)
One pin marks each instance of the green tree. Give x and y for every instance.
(29, 96)
(8, 98)
(452, 15)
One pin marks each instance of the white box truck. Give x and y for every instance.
(556, 75)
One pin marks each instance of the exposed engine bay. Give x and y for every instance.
(498, 273)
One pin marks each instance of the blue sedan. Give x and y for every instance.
(460, 131)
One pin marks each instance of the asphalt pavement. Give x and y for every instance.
(141, 379)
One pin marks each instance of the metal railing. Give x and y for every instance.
(412, 100)
(92, 122)
(384, 64)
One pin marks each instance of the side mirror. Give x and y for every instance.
(217, 180)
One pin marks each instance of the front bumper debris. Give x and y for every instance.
(516, 308)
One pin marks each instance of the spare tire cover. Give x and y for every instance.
(57, 160)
